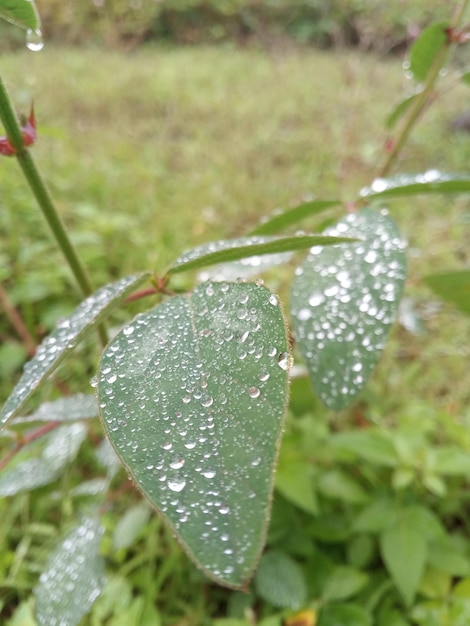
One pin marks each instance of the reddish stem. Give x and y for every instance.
(36, 434)
(17, 322)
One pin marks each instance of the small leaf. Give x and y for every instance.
(343, 303)
(344, 583)
(445, 555)
(373, 446)
(344, 615)
(244, 268)
(280, 220)
(398, 112)
(192, 396)
(340, 486)
(63, 340)
(380, 514)
(41, 462)
(67, 409)
(425, 49)
(404, 550)
(294, 482)
(234, 249)
(453, 287)
(22, 13)
(465, 78)
(130, 525)
(280, 581)
(73, 577)
(432, 181)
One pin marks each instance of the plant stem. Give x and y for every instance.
(42, 195)
(422, 98)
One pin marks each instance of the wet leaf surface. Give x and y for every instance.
(431, 181)
(22, 13)
(192, 396)
(67, 409)
(73, 577)
(343, 302)
(67, 334)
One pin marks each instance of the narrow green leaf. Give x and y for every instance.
(465, 78)
(294, 481)
(453, 287)
(68, 333)
(404, 550)
(344, 583)
(280, 581)
(451, 461)
(192, 396)
(377, 516)
(340, 486)
(67, 409)
(129, 526)
(22, 13)
(73, 577)
(398, 112)
(425, 49)
(282, 219)
(234, 249)
(432, 181)
(41, 462)
(344, 300)
(247, 268)
(446, 556)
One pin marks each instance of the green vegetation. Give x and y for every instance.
(153, 152)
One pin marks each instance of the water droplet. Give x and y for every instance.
(207, 401)
(167, 445)
(94, 381)
(176, 484)
(273, 300)
(128, 330)
(190, 445)
(263, 376)
(208, 473)
(254, 392)
(177, 463)
(316, 299)
(284, 361)
(34, 40)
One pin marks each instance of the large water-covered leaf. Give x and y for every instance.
(192, 397)
(432, 181)
(22, 13)
(67, 334)
(227, 250)
(40, 462)
(343, 302)
(73, 577)
(453, 287)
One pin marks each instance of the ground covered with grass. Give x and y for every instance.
(154, 151)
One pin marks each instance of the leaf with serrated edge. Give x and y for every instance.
(343, 302)
(22, 13)
(192, 396)
(68, 332)
(73, 577)
(227, 250)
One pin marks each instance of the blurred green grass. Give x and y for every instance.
(151, 152)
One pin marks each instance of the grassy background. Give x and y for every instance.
(150, 152)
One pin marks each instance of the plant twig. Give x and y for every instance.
(17, 322)
(32, 436)
(42, 195)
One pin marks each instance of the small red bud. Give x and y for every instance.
(28, 132)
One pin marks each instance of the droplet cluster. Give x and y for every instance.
(344, 299)
(194, 409)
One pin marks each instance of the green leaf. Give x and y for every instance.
(398, 112)
(234, 249)
(192, 396)
(444, 554)
(380, 514)
(451, 461)
(280, 581)
(373, 446)
(432, 181)
(425, 49)
(343, 302)
(280, 220)
(465, 78)
(453, 287)
(344, 615)
(22, 13)
(294, 482)
(68, 333)
(344, 583)
(404, 550)
(129, 526)
(73, 577)
(41, 462)
(340, 486)
(67, 409)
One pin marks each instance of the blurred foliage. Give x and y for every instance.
(370, 24)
